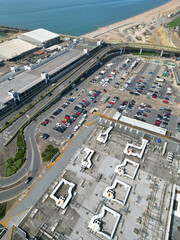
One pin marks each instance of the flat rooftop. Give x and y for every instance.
(146, 210)
(14, 48)
(27, 79)
(40, 35)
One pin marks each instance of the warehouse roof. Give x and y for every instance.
(41, 35)
(14, 48)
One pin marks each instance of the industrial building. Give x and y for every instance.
(119, 196)
(40, 37)
(15, 48)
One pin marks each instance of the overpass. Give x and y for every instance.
(154, 48)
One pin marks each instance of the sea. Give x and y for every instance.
(73, 17)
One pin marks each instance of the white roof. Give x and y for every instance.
(41, 35)
(144, 125)
(15, 47)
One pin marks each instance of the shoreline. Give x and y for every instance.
(145, 17)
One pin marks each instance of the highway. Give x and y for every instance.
(16, 183)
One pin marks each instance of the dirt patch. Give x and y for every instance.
(5, 154)
(152, 39)
(162, 35)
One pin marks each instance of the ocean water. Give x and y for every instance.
(75, 17)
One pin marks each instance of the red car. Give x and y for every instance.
(125, 101)
(45, 122)
(144, 115)
(83, 100)
(111, 103)
(148, 106)
(109, 76)
(168, 93)
(165, 101)
(154, 97)
(132, 101)
(157, 123)
(67, 118)
(142, 77)
(77, 113)
(63, 121)
(104, 90)
(94, 95)
(140, 80)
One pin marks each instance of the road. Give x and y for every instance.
(31, 168)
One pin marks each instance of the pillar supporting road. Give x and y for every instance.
(161, 53)
(140, 51)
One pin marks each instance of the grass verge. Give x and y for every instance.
(49, 153)
(2, 210)
(14, 164)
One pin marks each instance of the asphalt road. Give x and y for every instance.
(31, 168)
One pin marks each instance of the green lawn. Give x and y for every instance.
(48, 153)
(174, 23)
(14, 164)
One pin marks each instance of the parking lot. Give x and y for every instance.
(114, 83)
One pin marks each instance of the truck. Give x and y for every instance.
(160, 79)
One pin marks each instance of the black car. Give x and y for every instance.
(45, 135)
(76, 108)
(137, 118)
(131, 92)
(28, 180)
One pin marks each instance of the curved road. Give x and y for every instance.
(31, 167)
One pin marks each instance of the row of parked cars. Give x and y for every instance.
(167, 95)
(163, 117)
(126, 106)
(79, 109)
(112, 102)
(139, 86)
(142, 112)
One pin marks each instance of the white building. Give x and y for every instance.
(41, 37)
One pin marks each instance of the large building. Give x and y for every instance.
(15, 48)
(21, 86)
(41, 37)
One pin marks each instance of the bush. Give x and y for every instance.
(2, 210)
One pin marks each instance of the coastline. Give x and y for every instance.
(147, 16)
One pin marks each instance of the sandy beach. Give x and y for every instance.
(115, 31)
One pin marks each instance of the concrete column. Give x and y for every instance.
(161, 53)
(141, 51)
(121, 51)
(124, 50)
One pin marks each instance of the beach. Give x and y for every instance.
(115, 31)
